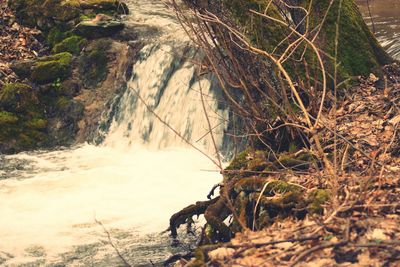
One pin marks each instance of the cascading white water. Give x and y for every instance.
(168, 87)
(133, 182)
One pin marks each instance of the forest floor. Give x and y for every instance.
(360, 225)
(16, 43)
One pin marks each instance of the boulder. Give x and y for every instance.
(73, 45)
(44, 69)
(45, 14)
(101, 26)
(18, 97)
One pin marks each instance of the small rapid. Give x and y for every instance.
(62, 207)
(66, 207)
(49, 217)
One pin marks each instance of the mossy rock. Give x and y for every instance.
(240, 161)
(45, 14)
(22, 67)
(93, 30)
(18, 97)
(51, 68)
(7, 118)
(37, 123)
(44, 69)
(73, 45)
(261, 32)
(359, 53)
(57, 35)
(93, 62)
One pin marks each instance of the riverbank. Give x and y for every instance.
(62, 65)
(357, 225)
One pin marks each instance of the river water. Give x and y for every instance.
(383, 18)
(142, 173)
(51, 201)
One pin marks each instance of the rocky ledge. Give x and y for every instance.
(63, 67)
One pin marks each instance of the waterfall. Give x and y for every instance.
(135, 179)
(165, 93)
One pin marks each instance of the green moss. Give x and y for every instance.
(37, 123)
(17, 97)
(22, 121)
(298, 162)
(260, 31)
(358, 52)
(7, 118)
(316, 199)
(90, 16)
(93, 62)
(73, 45)
(239, 162)
(51, 68)
(43, 13)
(57, 35)
(256, 184)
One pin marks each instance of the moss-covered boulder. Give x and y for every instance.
(93, 29)
(72, 44)
(22, 121)
(45, 14)
(18, 97)
(50, 68)
(45, 69)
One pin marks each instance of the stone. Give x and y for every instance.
(101, 26)
(44, 69)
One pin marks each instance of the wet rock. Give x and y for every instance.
(93, 62)
(101, 26)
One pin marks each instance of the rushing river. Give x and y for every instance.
(383, 18)
(51, 202)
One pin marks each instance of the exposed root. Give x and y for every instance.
(182, 216)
